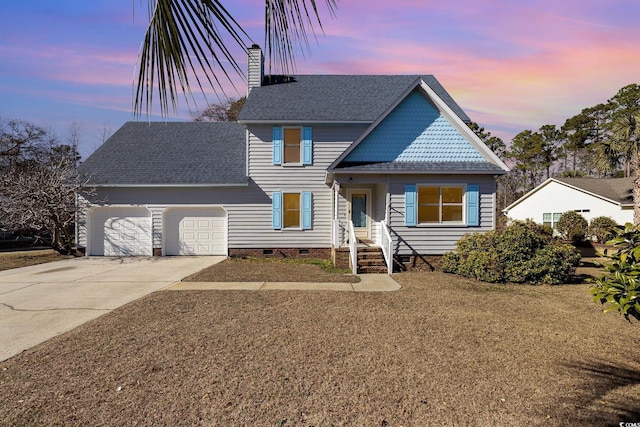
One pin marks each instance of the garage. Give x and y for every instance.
(195, 231)
(120, 231)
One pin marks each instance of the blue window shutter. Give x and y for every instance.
(277, 145)
(306, 210)
(276, 210)
(410, 205)
(473, 204)
(307, 146)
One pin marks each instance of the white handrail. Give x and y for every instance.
(353, 248)
(386, 247)
(335, 233)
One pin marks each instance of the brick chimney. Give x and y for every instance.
(255, 65)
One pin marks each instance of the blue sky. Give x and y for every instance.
(512, 65)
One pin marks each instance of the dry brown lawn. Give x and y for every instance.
(17, 259)
(273, 270)
(441, 351)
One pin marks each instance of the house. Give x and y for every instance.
(316, 165)
(590, 197)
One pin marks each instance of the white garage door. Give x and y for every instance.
(196, 231)
(120, 231)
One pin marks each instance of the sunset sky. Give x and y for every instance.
(511, 64)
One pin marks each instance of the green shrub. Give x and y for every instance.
(601, 229)
(572, 226)
(523, 252)
(619, 288)
(552, 265)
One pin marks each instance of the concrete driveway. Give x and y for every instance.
(42, 301)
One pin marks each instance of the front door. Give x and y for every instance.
(359, 212)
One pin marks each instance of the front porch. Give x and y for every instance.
(360, 236)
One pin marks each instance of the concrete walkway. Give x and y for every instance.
(368, 283)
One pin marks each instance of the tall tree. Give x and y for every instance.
(192, 42)
(626, 135)
(19, 141)
(494, 143)
(552, 139)
(38, 184)
(532, 155)
(578, 132)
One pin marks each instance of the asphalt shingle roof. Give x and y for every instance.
(334, 98)
(173, 153)
(617, 189)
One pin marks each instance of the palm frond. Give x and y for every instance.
(178, 31)
(287, 25)
(189, 43)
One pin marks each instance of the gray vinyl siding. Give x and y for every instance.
(436, 239)
(328, 143)
(244, 205)
(249, 208)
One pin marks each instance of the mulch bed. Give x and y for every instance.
(441, 351)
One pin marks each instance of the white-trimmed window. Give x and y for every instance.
(440, 204)
(430, 204)
(291, 210)
(292, 145)
(551, 219)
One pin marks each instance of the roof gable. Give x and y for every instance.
(415, 131)
(618, 190)
(172, 154)
(333, 98)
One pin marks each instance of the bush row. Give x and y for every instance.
(522, 252)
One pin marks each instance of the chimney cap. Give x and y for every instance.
(255, 46)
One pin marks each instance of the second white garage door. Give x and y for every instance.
(195, 231)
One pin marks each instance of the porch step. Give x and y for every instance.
(371, 260)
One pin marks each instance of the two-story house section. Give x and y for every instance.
(326, 164)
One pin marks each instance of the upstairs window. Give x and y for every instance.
(292, 146)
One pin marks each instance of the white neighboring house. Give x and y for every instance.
(590, 197)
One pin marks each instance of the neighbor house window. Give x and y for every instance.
(292, 146)
(291, 210)
(551, 220)
(440, 204)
